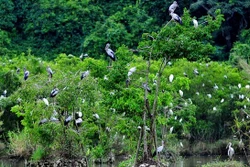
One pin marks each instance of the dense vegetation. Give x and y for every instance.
(194, 97)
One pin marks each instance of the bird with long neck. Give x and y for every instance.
(110, 53)
(176, 18)
(50, 72)
(172, 7)
(159, 149)
(230, 151)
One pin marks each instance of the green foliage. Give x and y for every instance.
(38, 154)
(241, 48)
(123, 28)
(177, 41)
(20, 144)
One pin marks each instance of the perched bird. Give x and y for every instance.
(54, 92)
(171, 78)
(78, 115)
(110, 53)
(50, 72)
(181, 144)
(176, 18)
(171, 129)
(5, 93)
(78, 122)
(230, 151)
(159, 149)
(68, 119)
(18, 70)
(83, 55)
(172, 7)
(147, 128)
(43, 121)
(131, 71)
(46, 101)
(181, 93)
(196, 72)
(105, 77)
(84, 74)
(195, 22)
(96, 116)
(53, 117)
(26, 74)
(185, 74)
(146, 87)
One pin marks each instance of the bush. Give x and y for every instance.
(19, 144)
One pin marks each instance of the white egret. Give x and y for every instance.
(181, 144)
(241, 96)
(131, 71)
(171, 129)
(181, 93)
(216, 86)
(230, 151)
(209, 96)
(96, 116)
(239, 85)
(195, 22)
(222, 100)
(46, 101)
(171, 78)
(198, 93)
(247, 86)
(105, 77)
(5, 93)
(159, 149)
(172, 7)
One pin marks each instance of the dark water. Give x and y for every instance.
(193, 161)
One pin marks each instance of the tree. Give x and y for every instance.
(171, 42)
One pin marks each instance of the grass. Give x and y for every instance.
(19, 144)
(224, 164)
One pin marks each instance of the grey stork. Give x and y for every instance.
(26, 74)
(172, 7)
(50, 72)
(176, 18)
(54, 92)
(110, 53)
